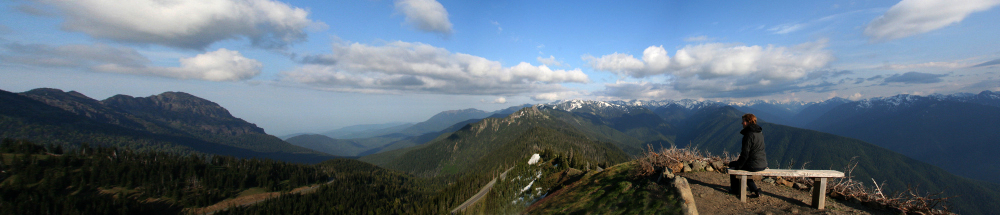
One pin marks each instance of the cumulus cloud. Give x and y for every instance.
(713, 60)
(914, 78)
(219, 65)
(69, 56)
(426, 15)
(640, 90)
(416, 67)
(912, 17)
(855, 96)
(553, 96)
(551, 61)
(500, 100)
(715, 70)
(190, 24)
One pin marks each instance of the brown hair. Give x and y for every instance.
(750, 118)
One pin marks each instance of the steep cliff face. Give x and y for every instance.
(176, 121)
(185, 112)
(82, 105)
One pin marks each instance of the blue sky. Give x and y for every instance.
(311, 66)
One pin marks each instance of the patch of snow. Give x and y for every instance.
(527, 187)
(534, 159)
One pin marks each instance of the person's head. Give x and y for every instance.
(749, 119)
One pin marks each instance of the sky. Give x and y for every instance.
(312, 66)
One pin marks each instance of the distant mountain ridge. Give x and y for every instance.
(948, 131)
(361, 140)
(179, 122)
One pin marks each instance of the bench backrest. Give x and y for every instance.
(792, 173)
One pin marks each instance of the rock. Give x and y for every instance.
(794, 210)
(718, 165)
(688, 206)
(768, 180)
(686, 168)
(668, 174)
(676, 167)
(768, 213)
(698, 166)
(800, 186)
(709, 168)
(784, 182)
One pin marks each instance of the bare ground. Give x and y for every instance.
(710, 190)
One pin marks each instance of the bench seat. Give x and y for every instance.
(819, 181)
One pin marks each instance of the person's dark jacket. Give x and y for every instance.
(752, 155)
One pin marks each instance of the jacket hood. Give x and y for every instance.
(751, 128)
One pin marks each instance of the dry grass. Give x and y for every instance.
(910, 201)
(653, 162)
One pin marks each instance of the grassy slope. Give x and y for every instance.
(611, 191)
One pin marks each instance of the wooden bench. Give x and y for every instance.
(819, 178)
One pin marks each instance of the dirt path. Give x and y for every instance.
(248, 200)
(711, 195)
(482, 193)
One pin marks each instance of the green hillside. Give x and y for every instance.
(501, 140)
(69, 118)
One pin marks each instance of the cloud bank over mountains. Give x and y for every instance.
(712, 69)
(403, 67)
(219, 65)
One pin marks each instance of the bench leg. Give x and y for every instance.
(743, 188)
(819, 193)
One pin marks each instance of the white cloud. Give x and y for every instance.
(426, 15)
(191, 24)
(219, 65)
(416, 67)
(553, 96)
(551, 61)
(714, 60)
(786, 28)
(947, 65)
(702, 38)
(855, 97)
(640, 90)
(912, 17)
(500, 100)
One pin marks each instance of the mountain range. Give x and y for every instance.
(939, 143)
(707, 126)
(361, 140)
(171, 121)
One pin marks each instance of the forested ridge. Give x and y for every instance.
(48, 179)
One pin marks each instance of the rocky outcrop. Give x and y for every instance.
(185, 112)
